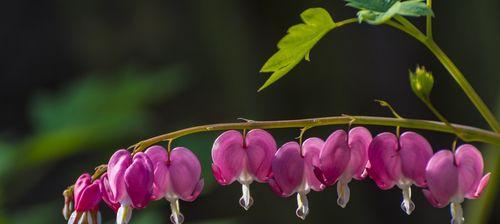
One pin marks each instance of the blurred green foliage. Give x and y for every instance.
(100, 107)
(85, 116)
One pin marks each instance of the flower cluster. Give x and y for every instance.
(133, 180)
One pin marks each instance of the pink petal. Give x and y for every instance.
(159, 157)
(81, 183)
(260, 148)
(334, 157)
(117, 165)
(157, 154)
(287, 168)
(229, 156)
(311, 148)
(415, 152)
(139, 180)
(218, 175)
(442, 177)
(482, 184)
(87, 195)
(275, 187)
(91, 196)
(185, 173)
(196, 192)
(385, 162)
(359, 140)
(161, 181)
(106, 193)
(432, 199)
(470, 168)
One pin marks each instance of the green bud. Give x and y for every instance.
(421, 82)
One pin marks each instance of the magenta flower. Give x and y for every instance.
(87, 197)
(399, 162)
(244, 159)
(177, 177)
(451, 178)
(130, 182)
(343, 157)
(293, 172)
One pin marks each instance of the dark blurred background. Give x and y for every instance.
(80, 79)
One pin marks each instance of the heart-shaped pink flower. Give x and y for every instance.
(399, 161)
(453, 177)
(243, 158)
(293, 172)
(175, 177)
(130, 182)
(86, 197)
(343, 157)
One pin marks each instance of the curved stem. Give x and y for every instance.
(464, 84)
(346, 22)
(410, 29)
(438, 114)
(485, 202)
(403, 28)
(407, 24)
(428, 23)
(469, 133)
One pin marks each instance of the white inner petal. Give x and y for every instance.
(457, 214)
(124, 214)
(343, 193)
(176, 217)
(407, 204)
(246, 200)
(302, 205)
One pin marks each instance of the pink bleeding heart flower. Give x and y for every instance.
(453, 177)
(293, 172)
(343, 157)
(87, 197)
(243, 158)
(175, 177)
(130, 182)
(399, 162)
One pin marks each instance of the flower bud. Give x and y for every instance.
(68, 203)
(421, 82)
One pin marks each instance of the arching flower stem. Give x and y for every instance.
(471, 134)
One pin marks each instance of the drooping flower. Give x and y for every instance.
(243, 158)
(343, 157)
(130, 182)
(293, 172)
(175, 177)
(87, 197)
(453, 177)
(399, 162)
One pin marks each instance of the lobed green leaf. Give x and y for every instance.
(379, 11)
(297, 44)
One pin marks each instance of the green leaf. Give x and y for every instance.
(372, 5)
(297, 44)
(379, 11)
(415, 8)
